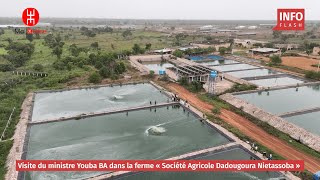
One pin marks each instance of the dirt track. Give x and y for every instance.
(248, 128)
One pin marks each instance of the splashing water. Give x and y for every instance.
(155, 130)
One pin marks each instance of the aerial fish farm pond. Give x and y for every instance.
(148, 133)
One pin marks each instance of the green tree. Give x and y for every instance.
(126, 33)
(95, 78)
(57, 50)
(105, 72)
(19, 53)
(276, 34)
(95, 45)
(137, 49)
(178, 53)
(74, 50)
(148, 46)
(38, 67)
(1, 31)
(276, 60)
(222, 50)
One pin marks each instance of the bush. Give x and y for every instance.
(313, 75)
(6, 67)
(95, 78)
(241, 87)
(216, 110)
(276, 60)
(38, 67)
(105, 72)
(151, 74)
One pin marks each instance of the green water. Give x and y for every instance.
(252, 73)
(234, 67)
(282, 81)
(118, 136)
(285, 100)
(309, 121)
(233, 154)
(75, 102)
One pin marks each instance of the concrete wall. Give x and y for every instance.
(292, 130)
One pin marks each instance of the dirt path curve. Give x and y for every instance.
(250, 129)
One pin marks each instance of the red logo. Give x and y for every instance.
(290, 20)
(30, 16)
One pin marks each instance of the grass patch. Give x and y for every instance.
(241, 87)
(4, 151)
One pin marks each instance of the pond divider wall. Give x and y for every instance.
(292, 130)
(265, 89)
(94, 114)
(298, 112)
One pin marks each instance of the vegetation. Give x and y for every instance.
(276, 60)
(194, 86)
(216, 101)
(313, 75)
(241, 87)
(222, 50)
(19, 53)
(95, 78)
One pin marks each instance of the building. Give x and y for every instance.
(191, 72)
(264, 51)
(316, 51)
(247, 43)
(163, 51)
(287, 46)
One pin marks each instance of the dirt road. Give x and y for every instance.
(248, 128)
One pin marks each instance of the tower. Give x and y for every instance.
(212, 82)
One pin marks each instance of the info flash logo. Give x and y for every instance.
(290, 20)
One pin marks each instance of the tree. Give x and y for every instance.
(19, 53)
(2, 31)
(178, 53)
(126, 33)
(38, 67)
(222, 50)
(74, 50)
(95, 45)
(276, 34)
(148, 46)
(276, 60)
(95, 78)
(105, 72)
(29, 36)
(57, 51)
(137, 49)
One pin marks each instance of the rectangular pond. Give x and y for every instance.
(281, 81)
(308, 121)
(207, 57)
(145, 134)
(285, 100)
(218, 62)
(253, 73)
(231, 154)
(234, 67)
(74, 102)
(157, 66)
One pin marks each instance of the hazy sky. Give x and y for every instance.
(161, 9)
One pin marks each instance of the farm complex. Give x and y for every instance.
(97, 89)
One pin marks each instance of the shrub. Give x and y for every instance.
(38, 67)
(276, 60)
(105, 72)
(6, 67)
(95, 78)
(313, 75)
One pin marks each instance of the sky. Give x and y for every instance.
(161, 9)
